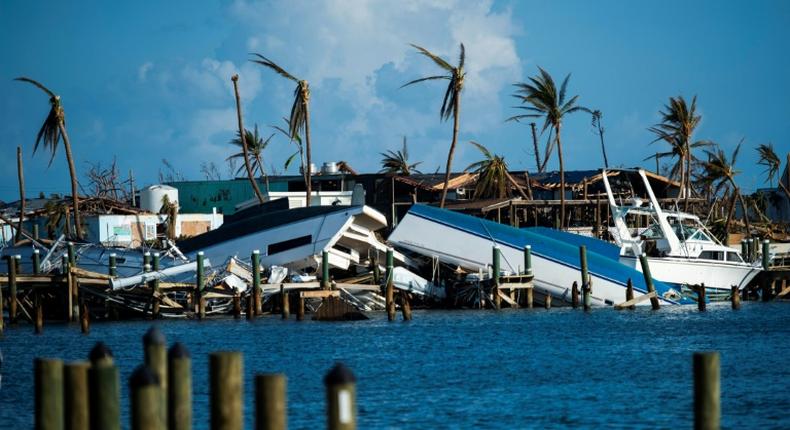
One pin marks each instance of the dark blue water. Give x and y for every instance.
(467, 369)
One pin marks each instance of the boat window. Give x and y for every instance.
(712, 255)
(653, 232)
(733, 256)
(699, 235)
(285, 245)
(683, 231)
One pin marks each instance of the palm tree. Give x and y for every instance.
(535, 149)
(597, 115)
(243, 137)
(255, 147)
(397, 162)
(678, 122)
(720, 171)
(493, 178)
(299, 120)
(770, 160)
(451, 105)
(678, 150)
(296, 140)
(543, 100)
(52, 131)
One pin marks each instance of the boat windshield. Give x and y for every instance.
(652, 232)
(684, 232)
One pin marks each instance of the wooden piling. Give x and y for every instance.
(735, 297)
(547, 302)
(405, 305)
(2, 323)
(155, 287)
(528, 260)
(390, 293)
(236, 306)
(648, 280)
(285, 305)
(36, 262)
(629, 293)
(227, 390)
(766, 254)
(250, 307)
(586, 287)
(325, 270)
(113, 267)
(300, 309)
(145, 399)
(707, 407)
(575, 295)
(11, 289)
(200, 281)
(75, 396)
(66, 272)
(256, 282)
(155, 358)
(701, 297)
(103, 389)
(35, 231)
(179, 388)
(341, 398)
(530, 296)
(18, 262)
(72, 254)
(49, 394)
(496, 266)
(85, 319)
(270, 402)
(39, 315)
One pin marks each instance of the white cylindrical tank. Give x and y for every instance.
(151, 197)
(329, 168)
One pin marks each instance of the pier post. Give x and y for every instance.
(85, 319)
(113, 269)
(547, 302)
(227, 390)
(270, 402)
(66, 272)
(707, 407)
(103, 389)
(72, 255)
(179, 388)
(528, 260)
(38, 318)
(750, 246)
(390, 293)
(200, 281)
(35, 231)
(496, 268)
(11, 289)
(18, 262)
(300, 309)
(530, 297)
(325, 270)
(36, 261)
(286, 302)
(155, 287)
(735, 297)
(341, 398)
(1, 313)
(155, 358)
(649, 280)
(405, 305)
(766, 254)
(250, 307)
(146, 261)
(575, 295)
(744, 250)
(75, 395)
(255, 260)
(49, 394)
(146, 399)
(629, 293)
(701, 298)
(237, 306)
(586, 287)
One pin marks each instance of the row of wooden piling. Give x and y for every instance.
(86, 395)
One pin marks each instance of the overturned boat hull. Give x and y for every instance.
(467, 241)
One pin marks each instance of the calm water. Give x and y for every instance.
(467, 369)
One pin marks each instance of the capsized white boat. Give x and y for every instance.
(680, 250)
(467, 241)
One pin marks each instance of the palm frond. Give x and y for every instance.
(436, 59)
(429, 78)
(272, 65)
(36, 83)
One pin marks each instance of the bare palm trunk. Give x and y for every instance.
(309, 167)
(682, 180)
(242, 133)
(688, 178)
(450, 154)
(562, 179)
(730, 212)
(743, 206)
(535, 147)
(21, 177)
(263, 173)
(73, 172)
(603, 147)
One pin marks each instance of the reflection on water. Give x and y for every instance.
(465, 369)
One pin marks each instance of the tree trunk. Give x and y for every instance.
(535, 147)
(562, 179)
(682, 179)
(743, 206)
(603, 147)
(21, 177)
(309, 167)
(242, 135)
(688, 177)
(263, 173)
(73, 172)
(457, 112)
(730, 212)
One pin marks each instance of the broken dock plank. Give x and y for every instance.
(636, 300)
(319, 294)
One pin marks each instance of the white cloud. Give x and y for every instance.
(211, 79)
(142, 71)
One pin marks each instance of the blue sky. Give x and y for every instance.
(143, 81)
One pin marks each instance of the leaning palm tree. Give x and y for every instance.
(451, 105)
(720, 171)
(678, 122)
(543, 101)
(256, 144)
(52, 131)
(397, 162)
(299, 120)
(770, 160)
(493, 178)
(242, 136)
(597, 115)
(677, 151)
